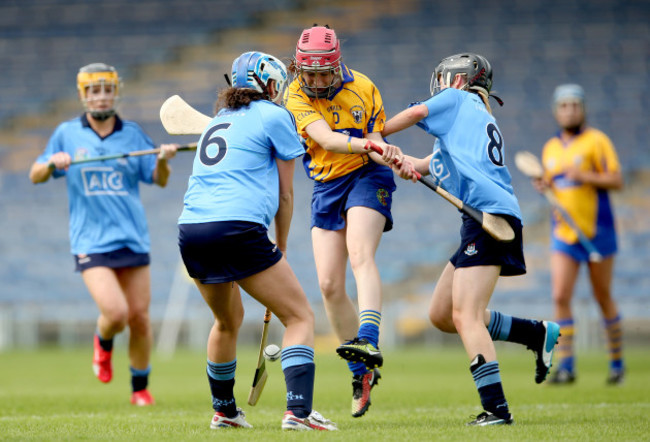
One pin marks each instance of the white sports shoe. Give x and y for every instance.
(315, 421)
(219, 420)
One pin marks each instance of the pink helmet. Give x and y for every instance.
(317, 48)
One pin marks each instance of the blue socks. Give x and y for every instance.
(221, 377)
(504, 327)
(369, 321)
(488, 383)
(299, 372)
(614, 333)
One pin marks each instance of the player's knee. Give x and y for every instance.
(331, 289)
(461, 319)
(117, 318)
(228, 325)
(139, 322)
(441, 322)
(358, 261)
(303, 315)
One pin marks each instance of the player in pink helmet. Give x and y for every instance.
(339, 113)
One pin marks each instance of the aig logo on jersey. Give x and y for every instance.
(357, 113)
(103, 181)
(471, 249)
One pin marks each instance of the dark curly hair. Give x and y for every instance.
(235, 98)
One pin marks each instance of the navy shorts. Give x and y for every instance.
(115, 260)
(369, 186)
(226, 251)
(478, 248)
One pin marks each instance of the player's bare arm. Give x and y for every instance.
(332, 141)
(41, 172)
(285, 208)
(163, 169)
(601, 180)
(406, 118)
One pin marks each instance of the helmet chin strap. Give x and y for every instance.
(102, 115)
(265, 88)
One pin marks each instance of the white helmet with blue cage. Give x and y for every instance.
(255, 70)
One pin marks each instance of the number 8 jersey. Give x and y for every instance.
(469, 153)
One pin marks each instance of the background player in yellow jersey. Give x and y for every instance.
(338, 111)
(581, 166)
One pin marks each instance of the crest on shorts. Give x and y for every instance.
(357, 113)
(382, 196)
(471, 249)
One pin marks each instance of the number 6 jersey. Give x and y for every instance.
(235, 176)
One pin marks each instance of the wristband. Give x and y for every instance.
(350, 144)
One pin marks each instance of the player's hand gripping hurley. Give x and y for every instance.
(261, 374)
(530, 166)
(179, 118)
(496, 226)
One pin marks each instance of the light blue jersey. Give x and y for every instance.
(469, 152)
(235, 176)
(106, 213)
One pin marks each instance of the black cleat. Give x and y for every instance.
(360, 350)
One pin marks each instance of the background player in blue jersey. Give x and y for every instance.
(468, 161)
(108, 229)
(242, 179)
(581, 167)
(339, 112)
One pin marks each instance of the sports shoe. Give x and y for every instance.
(616, 377)
(361, 386)
(486, 418)
(360, 350)
(544, 353)
(142, 398)
(315, 421)
(562, 376)
(219, 420)
(102, 362)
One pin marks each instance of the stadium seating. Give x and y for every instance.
(532, 45)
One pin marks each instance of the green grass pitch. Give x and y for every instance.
(425, 394)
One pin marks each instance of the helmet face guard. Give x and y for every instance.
(98, 83)
(255, 70)
(318, 55)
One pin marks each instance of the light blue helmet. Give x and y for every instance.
(254, 70)
(568, 92)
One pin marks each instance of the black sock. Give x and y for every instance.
(300, 388)
(223, 399)
(527, 332)
(105, 344)
(139, 382)
(488, 383)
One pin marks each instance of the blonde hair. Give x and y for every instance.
(484, 96)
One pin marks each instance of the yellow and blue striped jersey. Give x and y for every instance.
(356, 109)
(589, 207)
